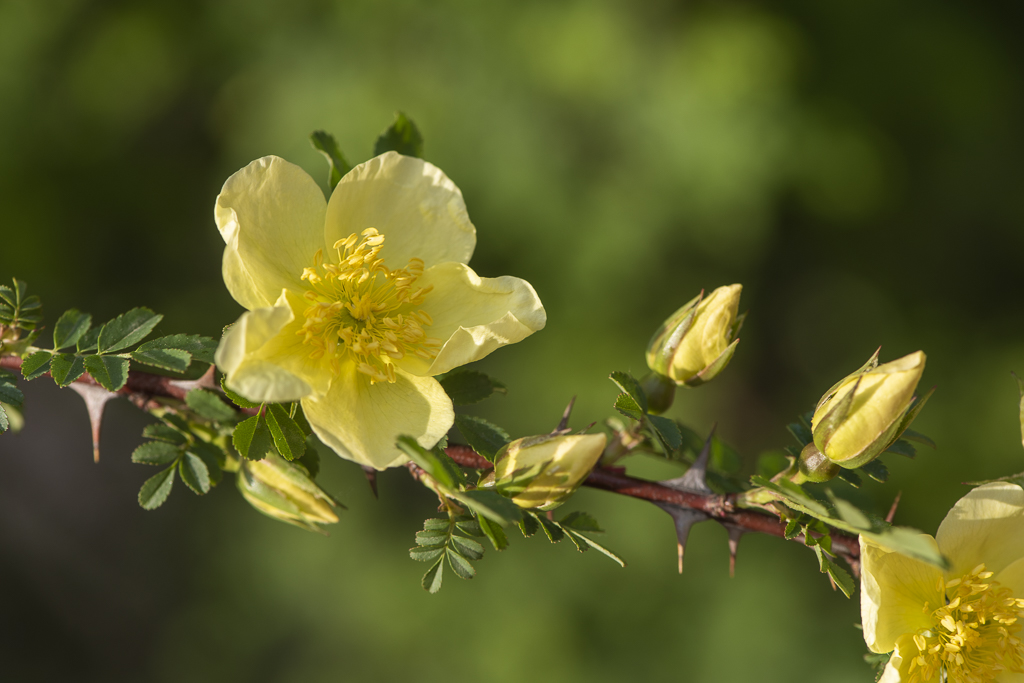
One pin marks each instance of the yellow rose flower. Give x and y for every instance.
(354, 304)
(966, 620)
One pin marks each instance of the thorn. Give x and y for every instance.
(695, 479)
(587, 428)
(371, 478)
(564, 423)
(892, 510)
(734, 543)
(205, 381)
(95, 398)
(684, 519)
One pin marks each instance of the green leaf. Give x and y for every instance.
(493, 532)
(436, 523)
(850, 477)
(200, 348)
(311, 459)
(69, 328)
(468, 548)
(552, 530)
(88, 340)
(194, 473)
(627, 383)
(432, 579)
(155, 490)
(207, 404)
(839, 575)
(236, 398)
(36, 365)
(289, 439)
(174, 360)
(667, 430)
(486, 438)
(793, 495)
(490, 504)
(65, 368)
(156, 453)
(911, 435)
(580, 521)
(428, 461)
(11, 394)
(402, 136)
(212, 455)
(433, 537)
(425, 554)
(628, 406)
(465, 387)
(901, 447)
(252, 439)
(127, 329)
(800, 432)
(110, 371)
(791, 530)
(460, 565)
(597, 546)
(876, 470)
(325, 143)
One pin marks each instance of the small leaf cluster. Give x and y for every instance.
(10, 396)
(632, 402)
(274, 428)
(451, 539)
(176, 445)
(569, 527)
(19, 312)
(105, 351)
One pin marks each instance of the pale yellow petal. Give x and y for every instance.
(361, 421)
(898, 668)
(245, 372)
(412, 203)
(894, 591)
(473, 316)
(986, 525)
(271, 216)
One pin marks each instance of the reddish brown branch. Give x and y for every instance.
(143, 387)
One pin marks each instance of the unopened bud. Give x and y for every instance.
(543, 471)
(283, 490)
(862, 415)
(698, 340)
(814, 466)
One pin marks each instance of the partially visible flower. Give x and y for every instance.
(962, 625)
(543, 471)
(698, 340)
(285, 491)
(354, 304)
(853, 430)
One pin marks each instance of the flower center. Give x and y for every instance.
(974, 636)
(360, 309)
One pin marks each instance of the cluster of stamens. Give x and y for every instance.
(359, 307)
(975, 633)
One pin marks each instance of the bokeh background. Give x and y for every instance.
(856, 165)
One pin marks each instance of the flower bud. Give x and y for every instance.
(814, 466)
(697, 341)
(283, 490)
(543, 471)
(862, 415)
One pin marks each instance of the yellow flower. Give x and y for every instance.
(354, 304)
(966, 620)
(552, 467)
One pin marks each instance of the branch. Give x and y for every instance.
(143, 387)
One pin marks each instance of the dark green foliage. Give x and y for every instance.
(569, 527)
(156, 489)
(194, 473)
(127, 329)
(325, 143)
(466, 387)
(70, 328)
(402, 136)
(17, 309)
(252, 438)
(36, 365)
(447, 539)
(65, 368)
(208, 405)
(110, 371)
(288, 437)
(483, 437)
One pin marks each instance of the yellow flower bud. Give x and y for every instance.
(697, 341)
(283, 490)
(866, 412)
(543, 471)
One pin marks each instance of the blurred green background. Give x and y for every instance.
(856, 165)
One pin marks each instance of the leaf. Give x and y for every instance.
(911, 435)
(237, 398)
(436, 523)
(668, 431)
(174, 360)
(460, 565)
(876, 470)
(793, 493)
(325, 143)
(402, 136)
(909, 542)
(580, 521)
(252, 439)
(289, 439)
(551, 529)
(200, 348)
(194, 473)
(493, 532)
(598, 547)
(110, 371)
(207, 404)
(88, 340)
(428, 461)
(311, 459)
(156, 453)
(155, 490)
(490, 504)
(468, 548)
(127, 329)
(465, 387)
(65, 368)
(627, 383)
(11, 394)
(36, 365)
(212, 456)
(850, 477)
(433, 537)
(432, 579)
(483, 437)
(800, 432)
(628, 406)
(425, 554)
(901, 447)
(528, 525)
(839, 575)
(70, 327)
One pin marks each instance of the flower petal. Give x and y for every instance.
(271, 216)
(474, 316)
(1012, 576)
(361, 421)
(986, 525)
(246, 372)
(898, 667)
(412, 203)
(894, 590)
